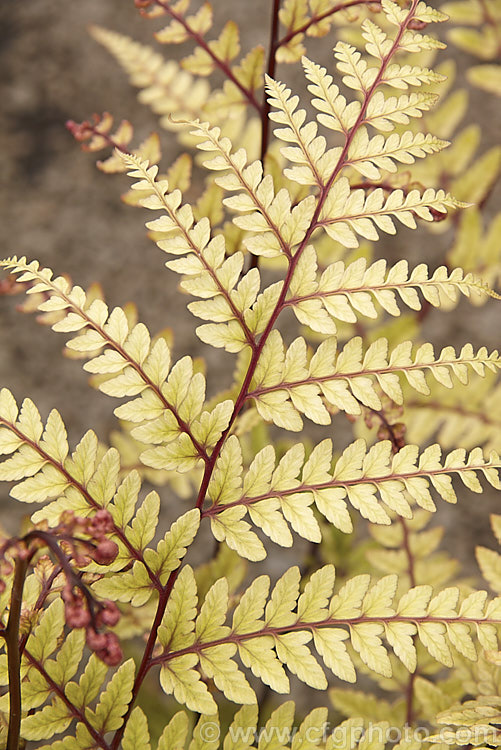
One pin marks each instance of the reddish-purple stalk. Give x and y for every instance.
(403, 477)
(11, 636)
(15, 645)
(221, 64)
(265, 119)
(322, 16)
(16, 648)
(147, 661)
(329, 622)
(270, 69)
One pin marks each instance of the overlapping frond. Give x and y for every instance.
(227, 297)
(463, 416)
(419, 538)
(170, 400)
(475, 250)
(271, 634)
(478, 32)
(42, 469)
(286, 384)
(243, 76)
(170, 91)
(273, 224)
(372, 481)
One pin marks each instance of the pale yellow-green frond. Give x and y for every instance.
(345, 292)
(463, 416)
(275, 227)
(286, 384)
(349, 214)
(368, 617)
(309, 149)
(207, 272)
(170, 400)
(164, 85)
(372, 481)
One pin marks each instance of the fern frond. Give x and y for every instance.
(82, 482)
(456, 420)
(473, 721)
(430, 565)
(211, 55)
(170, 400)
(274, 225)
(208, 273)
(169, 91)
(475, 250)
(371, 155)
(346, 292)
(70, 701)
(309, 148)
(135, 586)
(368, 479)
(478, 33)
(273, 633)
(284, 382)
(348, 213)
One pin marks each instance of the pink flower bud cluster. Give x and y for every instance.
(78, 615)
(85, 612)
(97, 528)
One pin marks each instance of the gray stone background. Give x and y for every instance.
(57, 207)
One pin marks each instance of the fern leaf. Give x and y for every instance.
(365, 614)
(207, 273)
(346, 214)
(276, 227)
(174, 735)
(178, 626)
(352, 381)
(133, 366)
(53, 719)
(179, 678)
(335, 113)
(368, 480)
(180, 29)
(309, 148)
(346, 292)
(163, 84)
(136, 732)
(370, 155)
(115, 699)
